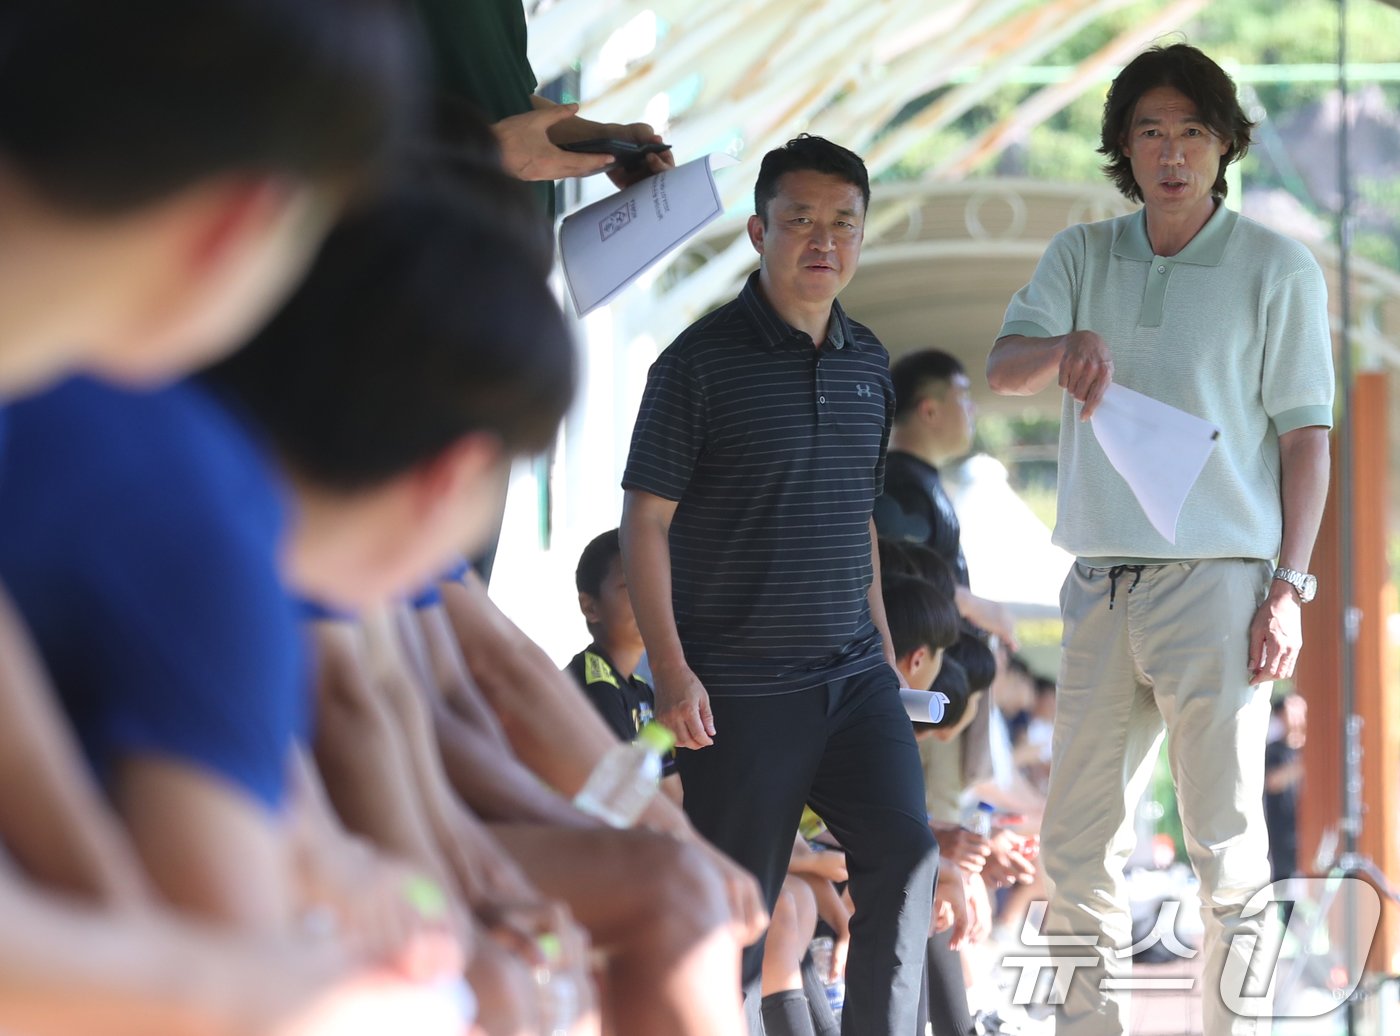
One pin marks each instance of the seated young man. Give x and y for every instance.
(144, 540)
(928, 624)
(607, 668)
(152, 209)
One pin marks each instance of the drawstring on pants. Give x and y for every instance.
(1115, 572)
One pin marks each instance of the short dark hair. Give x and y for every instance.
(806, 153)
(481, 183)
(1184, 68)
(951, 682)
(913, 374)
(421, 321)
(459, 152)
(893, 560)
(594, 561)
(918, 615)
(929, 566)
(109, 106)
(972, 653)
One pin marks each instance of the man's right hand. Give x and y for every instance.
(683, 705)
(1086, 369)
(527, 153)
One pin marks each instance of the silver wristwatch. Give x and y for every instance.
(1304, 582)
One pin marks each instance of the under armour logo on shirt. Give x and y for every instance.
(864, 391)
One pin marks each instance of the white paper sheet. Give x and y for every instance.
(607, 245)
(1159, 450)
(924, 706)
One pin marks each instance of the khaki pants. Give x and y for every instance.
(1170, 654)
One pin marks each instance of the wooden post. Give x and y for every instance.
(1318, 678)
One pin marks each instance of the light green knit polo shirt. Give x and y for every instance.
(1233, 329)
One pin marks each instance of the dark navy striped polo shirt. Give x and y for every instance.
(774, 451)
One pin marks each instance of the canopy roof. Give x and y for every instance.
(942, 255)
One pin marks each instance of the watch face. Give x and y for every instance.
(1309, 588)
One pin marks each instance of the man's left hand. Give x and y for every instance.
(656, 162)
(1275, 635)
(576, 129)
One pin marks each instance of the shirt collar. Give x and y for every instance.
(911, 458)
(597, 649)
(1207, 248)
(777, 334)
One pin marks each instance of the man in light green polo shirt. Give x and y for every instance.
(1210, 312)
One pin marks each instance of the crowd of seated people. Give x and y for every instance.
(274, 762)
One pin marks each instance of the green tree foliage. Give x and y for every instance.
(1241, 34)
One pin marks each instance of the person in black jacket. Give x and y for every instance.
(933, 418)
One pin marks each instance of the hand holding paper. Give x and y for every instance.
(1159, 450)
(607, 245)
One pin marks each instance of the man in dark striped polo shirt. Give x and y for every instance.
(748, 547)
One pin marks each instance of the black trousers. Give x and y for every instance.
(948, 1012)
(847, 748)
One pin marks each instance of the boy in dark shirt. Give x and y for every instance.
(607, 668)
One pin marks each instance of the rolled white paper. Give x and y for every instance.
(924, 706)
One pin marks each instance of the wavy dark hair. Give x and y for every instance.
(1185, 68)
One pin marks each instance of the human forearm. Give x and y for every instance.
(496, 785)
(682, 702)
(211, 850)
(1305, 466)
(476, 756)
(52, 819)
(1276, 631)
(452, 684)
(646, 560)
(552, 727)
(1022, 366)
(1079, 362)
(483, 871)
(876, 599)
(362, 759)
(65, 969)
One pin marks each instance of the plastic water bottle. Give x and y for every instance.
(821, 949)
(978, 819)
(626, 778)
(558, 993)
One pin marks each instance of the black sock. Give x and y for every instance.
(824, 1021)
(785, 1014)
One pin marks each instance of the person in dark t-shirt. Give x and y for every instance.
(607, 668)
(933, 425)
